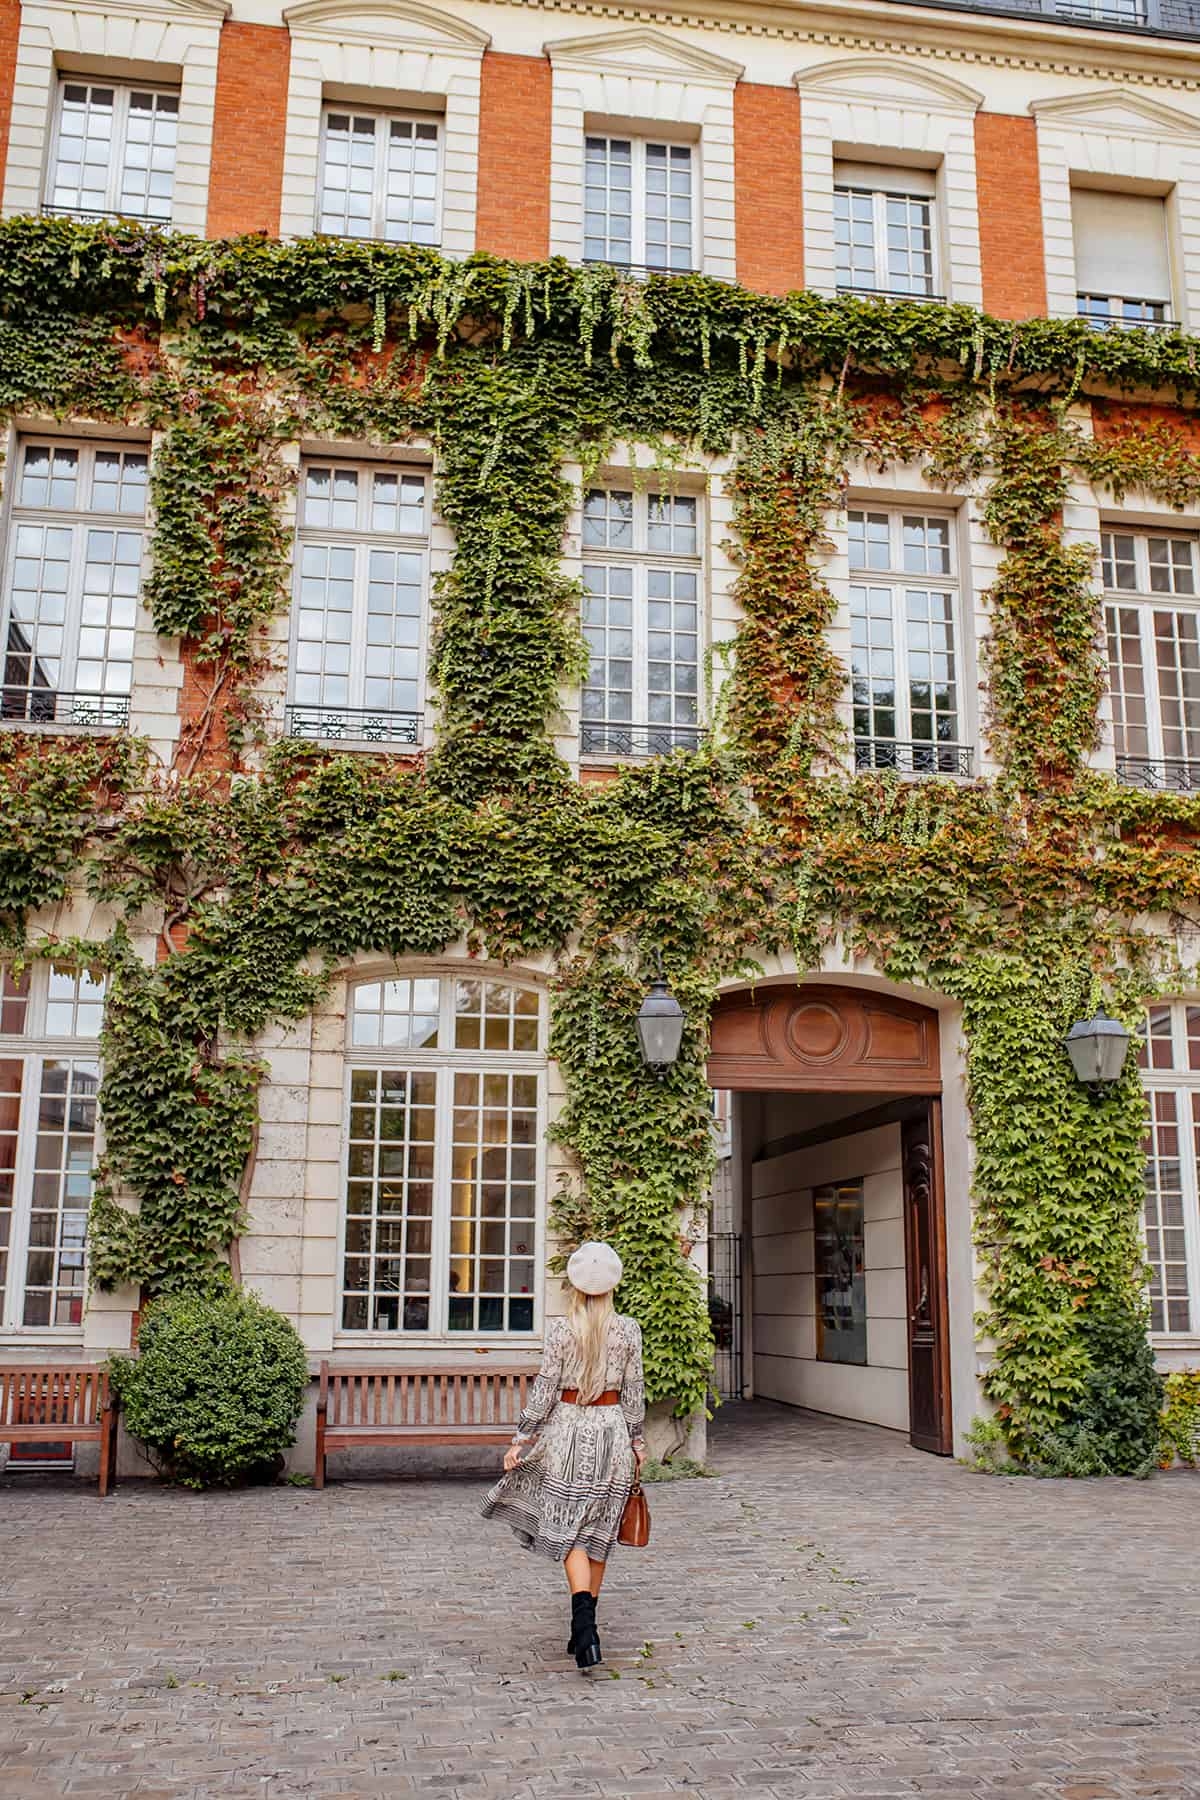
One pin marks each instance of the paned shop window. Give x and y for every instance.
(1170, 1064)
(904, 659)
(883, 229)
(73, 571)
(113, 151)
(641, 622)
(1152, 619)
(359, 609)
(639, 203)
(443, 1110)
(379, 176)
(49, 1078)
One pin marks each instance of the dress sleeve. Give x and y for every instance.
(543, 1395)
(633, 1388)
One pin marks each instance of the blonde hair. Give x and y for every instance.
(589, 1317)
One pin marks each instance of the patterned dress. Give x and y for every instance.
(570, 1487)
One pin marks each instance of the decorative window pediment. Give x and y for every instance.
(1116, 109)
(645, 53)
(388, 23)
(205, 12)
(888, 83)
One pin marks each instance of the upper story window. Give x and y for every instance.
(360, 602)
(113, 151)
(72, 576)
(639, 203)
(442, 1129)
(904, 661)
(49, 1079)
(1152, 619)
(379, 176)
(1122, 265)
(883, 227)
(1170, 1064)
(641, 622)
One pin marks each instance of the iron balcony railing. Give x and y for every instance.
(1160, 775)
(95, 215)
(602, 737)
(41, 706)
(1159, 18)
(353, 725)
(846, 291)
(912, 758)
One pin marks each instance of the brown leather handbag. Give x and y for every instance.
(635, 1520)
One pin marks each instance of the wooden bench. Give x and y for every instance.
(60, 1403)
(372, 1405)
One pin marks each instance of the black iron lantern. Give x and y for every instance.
(1097, 1050)
(660, 1027)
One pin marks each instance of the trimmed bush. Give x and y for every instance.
(1115, 1425)
(216, 1388)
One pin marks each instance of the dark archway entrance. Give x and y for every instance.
(839, 1202)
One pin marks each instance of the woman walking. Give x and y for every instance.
(579, 1445)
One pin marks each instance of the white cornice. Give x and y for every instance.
(208, 12)
(643, 51)
(884, 80)
(1116, 109)
(385, 22)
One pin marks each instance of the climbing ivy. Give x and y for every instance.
(261, 870)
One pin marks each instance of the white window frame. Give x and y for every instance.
(898, 580)
(122, 92)
(1184, 1082)
(33, 1048)
(105, 710)
(879, 198)
(638, 145)
(379, 184)
(363, 539)
(446, 1063)
(1145, 604)
(641, 559)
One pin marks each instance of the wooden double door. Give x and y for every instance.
(815, 1038)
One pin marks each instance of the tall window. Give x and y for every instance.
(113, 151)
(379, 177)
(903, 662)
(839, 1259)
(361, 570)
(641, 622)
(49, 1077)
(1170, 1063)
(883, 230)
(1122, 266)
(1152, 618)
(639, 203)
(72, 576)
(443, 1111)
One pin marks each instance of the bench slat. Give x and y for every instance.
(363, 1404)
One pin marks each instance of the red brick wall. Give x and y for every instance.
(768, 201)
(246, 185)
(1011, 244)
(513, 217)
(10, 25)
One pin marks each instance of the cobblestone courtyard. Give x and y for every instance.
(835, 1615)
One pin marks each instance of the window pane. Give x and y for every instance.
(346, 204)
(1173, 1135)
(12, 1071)
(391, 1139)
(608, 200)
(410, 183)
(399, 1014)
(839, 1251)
(491, 1261)
(1127, 681)
(64, 1152)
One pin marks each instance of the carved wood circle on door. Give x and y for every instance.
(816, 1036)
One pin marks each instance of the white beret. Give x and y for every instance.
(594, 1269)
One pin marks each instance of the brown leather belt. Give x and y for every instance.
(609, 1397)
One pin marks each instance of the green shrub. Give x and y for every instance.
(216, 1388)
(1180, 1424)
(1114, 1426)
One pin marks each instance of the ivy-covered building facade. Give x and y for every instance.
(492, 517)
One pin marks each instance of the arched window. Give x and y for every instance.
(49, 1077)
(443, 1157)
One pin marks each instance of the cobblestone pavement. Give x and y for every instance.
(835, 1615)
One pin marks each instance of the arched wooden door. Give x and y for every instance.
(807, 1038)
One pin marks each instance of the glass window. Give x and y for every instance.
(641, 622)
(113, 151)
(73, 574)
(904, 660)
(883, 238)
(1170, 1063)
(443, 1142)
(379, 177)
(840, 1264)
(1122, 263)
(47, 1143)
(359, 609)
(1153, 656)
(639, 203)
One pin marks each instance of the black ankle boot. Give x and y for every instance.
(571, 1639)
(585, 1640)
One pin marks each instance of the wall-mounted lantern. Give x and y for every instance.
(660, 1024)
(1097, 1050)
